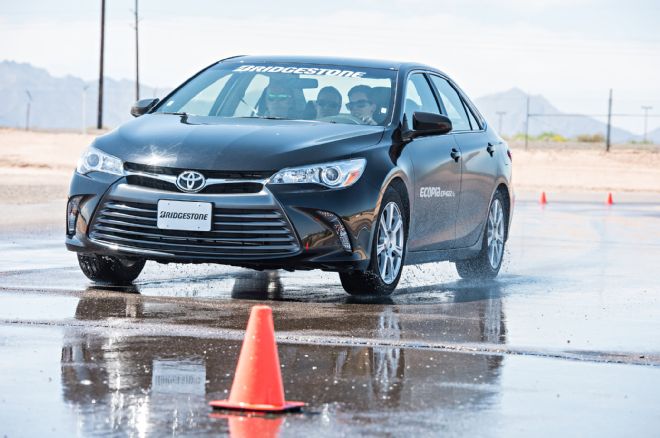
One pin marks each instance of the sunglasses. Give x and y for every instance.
(278, 97)
(327, 103)
(362, 103)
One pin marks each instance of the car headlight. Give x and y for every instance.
(93, 160)
(332, 175)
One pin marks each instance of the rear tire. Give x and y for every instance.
(107, 269)
(487, 263)
(387, 252)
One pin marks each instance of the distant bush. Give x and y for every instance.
(591, 138)
(544, 136)
(550, 136)
(640, 142)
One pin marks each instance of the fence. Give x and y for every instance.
(608, 134)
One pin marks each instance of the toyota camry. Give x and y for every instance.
(353, 166)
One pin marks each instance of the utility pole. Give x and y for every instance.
(527, 124)
(27, 113)
(84, 109)
(608, 139)
(646, 109)
(99, 120)
(137, 55)
(499, 127)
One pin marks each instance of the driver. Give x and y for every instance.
(328, 102)
(361, 104)
(279, 101)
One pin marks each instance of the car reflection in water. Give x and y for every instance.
(123, 383)
(257, 285)
(116, 381)
(380, 368)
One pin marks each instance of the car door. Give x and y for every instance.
(477, 161)
(437, 174)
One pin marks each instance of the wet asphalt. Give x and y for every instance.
(565, 341)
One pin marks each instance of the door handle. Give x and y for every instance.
(491, 149)
(455, 154)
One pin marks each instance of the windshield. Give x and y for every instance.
(326, 93)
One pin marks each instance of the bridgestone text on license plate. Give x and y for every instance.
(184, 215)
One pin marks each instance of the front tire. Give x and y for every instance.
(487, 264)
(387, 253)
(113, 270)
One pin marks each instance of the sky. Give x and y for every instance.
(570, 51)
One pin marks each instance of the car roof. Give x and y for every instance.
(329, 60)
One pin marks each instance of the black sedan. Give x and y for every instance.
(354, 166)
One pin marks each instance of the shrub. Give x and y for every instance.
(551, 136)
(591, 138)
(544, 136)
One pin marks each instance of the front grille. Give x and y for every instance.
(225, 174)
(235, 233)
(152, 183)
(230, 188)
(225, 188)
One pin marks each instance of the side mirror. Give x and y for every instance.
(142, 106)
(430, 124)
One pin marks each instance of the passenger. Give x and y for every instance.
(361, 104)
(328, 102)
(279, 101)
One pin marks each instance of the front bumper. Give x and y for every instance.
(278, 227)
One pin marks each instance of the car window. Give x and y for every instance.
(452, 104)
(279, 90)
(202, 102)
(247, 106)
(419, 97)
(473, 120)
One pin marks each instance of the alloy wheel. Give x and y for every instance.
(495, 236)
(389, 249)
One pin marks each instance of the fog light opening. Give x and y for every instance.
(72, 211)
(339, 228)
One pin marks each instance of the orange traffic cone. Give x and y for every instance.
(258, 383)
(609, 201)
(543, 199)
(258, 426)
(254, 427)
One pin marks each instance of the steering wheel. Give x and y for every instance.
(342, 118)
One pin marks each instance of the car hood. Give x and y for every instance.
(206, 143)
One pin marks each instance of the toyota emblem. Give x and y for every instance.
(190, 181)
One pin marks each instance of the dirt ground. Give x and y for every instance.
(579, 168)
(35, 167)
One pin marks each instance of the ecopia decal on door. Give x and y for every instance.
(435, 192)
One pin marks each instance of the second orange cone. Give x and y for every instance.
(257, 383)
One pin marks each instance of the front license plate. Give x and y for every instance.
(184, 215)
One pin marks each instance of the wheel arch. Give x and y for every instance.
(400, 186)
(504, 189)
(399, 181)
